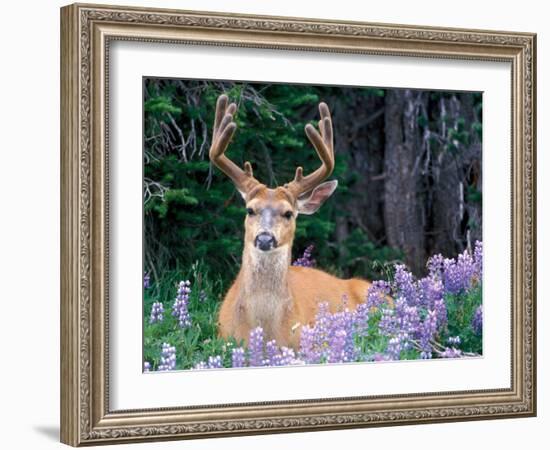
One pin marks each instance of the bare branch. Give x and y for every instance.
(152, 189)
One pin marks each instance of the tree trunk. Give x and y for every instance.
(403, 209)
(360, 141)
(454, 170)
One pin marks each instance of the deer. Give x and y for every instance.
(268, 291)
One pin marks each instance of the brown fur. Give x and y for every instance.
(304, 289)
(269, 292)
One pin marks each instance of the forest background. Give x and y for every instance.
(408, 164)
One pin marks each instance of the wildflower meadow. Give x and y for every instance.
(406, 215)
(401, 318)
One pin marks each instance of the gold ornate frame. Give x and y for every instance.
(86, 31)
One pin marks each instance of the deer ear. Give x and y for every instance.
(243, 195)
(312, 201)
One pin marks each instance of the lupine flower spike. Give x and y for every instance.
(168, 357)
(157, 313)
(306, 260)
(179, 310)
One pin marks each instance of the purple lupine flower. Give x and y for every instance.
(407, 318)
(256, 347)
(146, 280)
(431, 297)
(377, 293)
(477, 320)
(457, 275)
(452, 276)
(179, 309)
(454, 340)
(237, 357)
(286, 357)
(271, 352)
(362, 319)
(401, 324)
(410, 320)
(478, 260)
(387, 323)
(440, 309)
(450, 353)
(215, 362)
(430, 291)
(427, 332)
(332, 336)
(336, 352)
(340, 339)
(435, 265)
(404, 284)
(467, 265)
(203, 296)
(306, 260)
(380, 357)
(395, 346)
(322, 326)
(346, 321)
(167, 358)
(146, 366)
(157, 313)
(308, 349)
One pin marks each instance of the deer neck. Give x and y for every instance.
(265, 290)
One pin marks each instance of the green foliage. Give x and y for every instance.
(372, 342)
(161, 105)
(366, 258)
(460, 312)
(197, 214)
(473, 194)
(193, 344)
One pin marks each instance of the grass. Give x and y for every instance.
(200, 340)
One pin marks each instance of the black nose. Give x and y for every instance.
(265, 241)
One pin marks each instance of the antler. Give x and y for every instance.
(224, 128)
(325, 149)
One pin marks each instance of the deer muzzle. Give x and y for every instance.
(265, 241)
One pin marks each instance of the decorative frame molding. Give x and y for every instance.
(86, 31)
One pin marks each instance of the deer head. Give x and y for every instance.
(271, 213)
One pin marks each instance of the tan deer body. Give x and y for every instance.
(281, 313)
(268, 291)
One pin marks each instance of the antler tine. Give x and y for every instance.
(323, 144)
(224, 128)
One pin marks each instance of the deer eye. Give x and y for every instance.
(250, 211)
(287, 215)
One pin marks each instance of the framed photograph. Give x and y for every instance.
(276, 225)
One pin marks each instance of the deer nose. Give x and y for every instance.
(265, 241)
